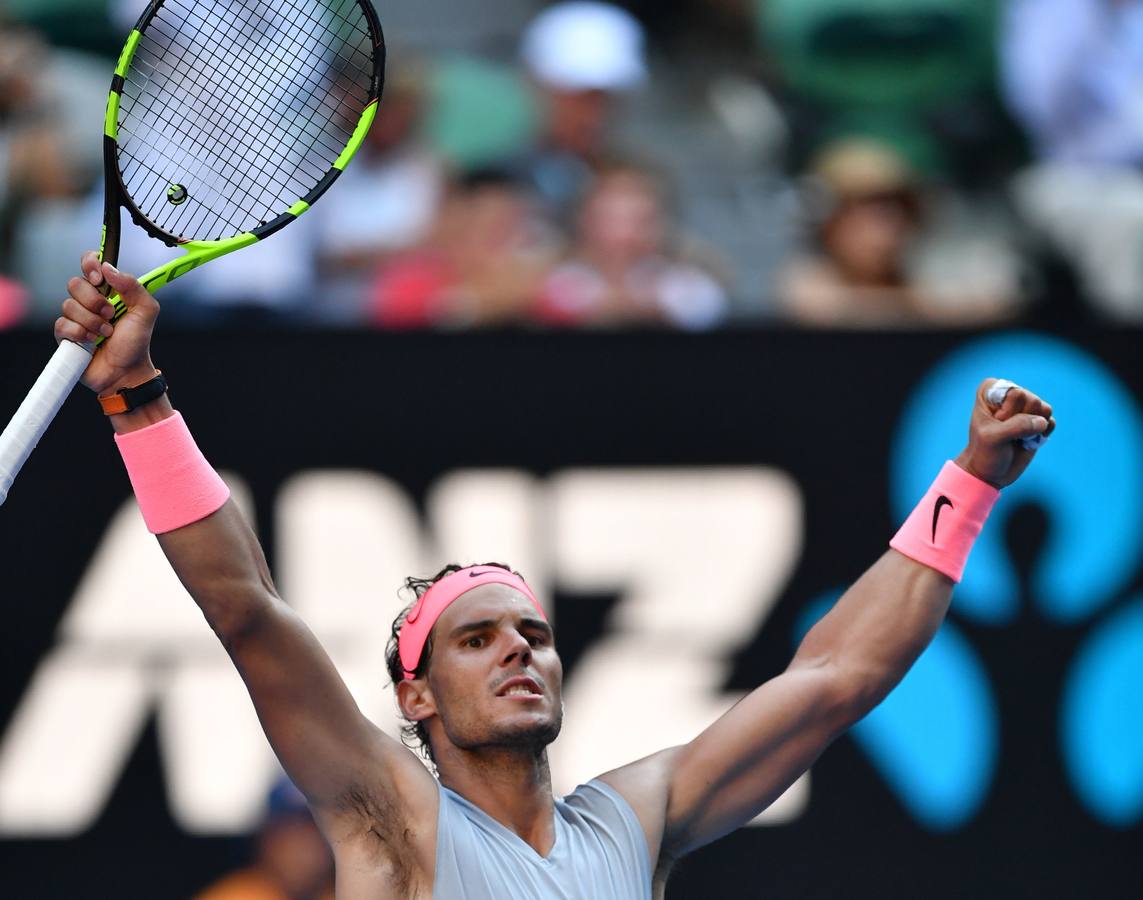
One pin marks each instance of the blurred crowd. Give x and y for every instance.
(286, 857)
(688, 164)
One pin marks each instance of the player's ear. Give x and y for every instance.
(415, 698)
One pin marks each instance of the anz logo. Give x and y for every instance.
(131, 649)
(937, 739)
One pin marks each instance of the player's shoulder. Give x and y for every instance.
(648, 775)
(646, 786)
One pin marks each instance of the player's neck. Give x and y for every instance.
(512, 786)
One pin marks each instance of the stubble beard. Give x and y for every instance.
(530, 739)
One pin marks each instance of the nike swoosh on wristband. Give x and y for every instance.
(942, 502)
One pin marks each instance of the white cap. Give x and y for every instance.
(584, 46)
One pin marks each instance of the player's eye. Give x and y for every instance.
(476, 642)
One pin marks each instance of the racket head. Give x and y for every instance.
(227, 118)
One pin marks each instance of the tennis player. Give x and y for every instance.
(478, 677)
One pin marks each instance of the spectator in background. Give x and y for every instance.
(582, 57)
(50, 108)
(31, 148)
(481, 264)
(1073, 76)
(625, 266)
(291, 859)
(882, 256)
(384, 203)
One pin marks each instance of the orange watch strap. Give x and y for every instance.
(119, 402)
(114, 404)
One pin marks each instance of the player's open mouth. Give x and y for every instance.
(519, 687)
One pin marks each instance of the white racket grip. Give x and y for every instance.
(35, 414)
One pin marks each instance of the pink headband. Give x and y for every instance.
(428, 608)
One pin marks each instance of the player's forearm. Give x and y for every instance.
(878, 628)
(217, 557)
(884, 622)
(220, 563)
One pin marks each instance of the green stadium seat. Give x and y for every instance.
(879, 53)
(80, 24)
(480, 113)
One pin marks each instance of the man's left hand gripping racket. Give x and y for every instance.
(226, 120)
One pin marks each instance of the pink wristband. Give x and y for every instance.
(173, 482)
(940, 532)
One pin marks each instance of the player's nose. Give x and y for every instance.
(517, 650)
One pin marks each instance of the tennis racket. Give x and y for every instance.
(226, 120)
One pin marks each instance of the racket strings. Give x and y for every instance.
(214, 116)
(262, 82)
(189, 140)
(235, 49)
(362, 74)
(320, 131)
(246, 105)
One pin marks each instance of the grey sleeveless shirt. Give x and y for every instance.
(600, 852)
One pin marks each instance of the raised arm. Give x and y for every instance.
(335, 756)
(843, 668)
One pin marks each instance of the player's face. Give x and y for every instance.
(495, 676)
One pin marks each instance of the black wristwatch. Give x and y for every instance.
(127, 399)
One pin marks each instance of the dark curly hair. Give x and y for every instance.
(414, 735)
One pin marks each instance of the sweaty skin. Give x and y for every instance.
(491, 698)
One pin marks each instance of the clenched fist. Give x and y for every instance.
(996, 431)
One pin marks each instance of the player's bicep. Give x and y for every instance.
(330, 749)
(751, 754)
(347, 768)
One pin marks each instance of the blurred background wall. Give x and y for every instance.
(726, 274)
(824, 163)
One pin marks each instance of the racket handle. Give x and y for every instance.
(35, 414)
